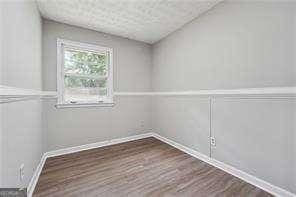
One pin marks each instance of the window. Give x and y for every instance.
(84, 74)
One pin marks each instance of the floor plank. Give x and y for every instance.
(146, 167)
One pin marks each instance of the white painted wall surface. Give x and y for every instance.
(184, 119)
(256, 136)
(235, 45)
(1, 40)
(22, 141)
(1, 148)
(132, 72)
(294, 149)
(20, 67)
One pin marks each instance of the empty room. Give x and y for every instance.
(115, 98)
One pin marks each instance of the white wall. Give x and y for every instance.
(1, 25)
(22, 141)
(294, 158)
(235, 45)
(184, 120)
(20, 67)
(132, 69)
(256, 136)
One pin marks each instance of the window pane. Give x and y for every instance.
(76, 82)
(84, 62)
(86, 90)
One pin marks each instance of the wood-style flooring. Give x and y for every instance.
(146, 167)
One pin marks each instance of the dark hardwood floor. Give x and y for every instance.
(146, 167)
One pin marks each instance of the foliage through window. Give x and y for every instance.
(85, 73)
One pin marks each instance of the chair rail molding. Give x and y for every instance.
(222, 93)
(12, 94)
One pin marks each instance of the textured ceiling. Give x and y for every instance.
(143, 20)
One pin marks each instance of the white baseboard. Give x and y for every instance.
(96, 145)
(272, 189)
(34, 179)
(74, 149)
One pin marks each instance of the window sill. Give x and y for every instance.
(79, 105)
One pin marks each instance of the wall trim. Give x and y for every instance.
(245, 92)
(12, 94)
(74, 149)
(35, 177)
(264, 185)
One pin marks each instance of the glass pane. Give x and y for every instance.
(85, 90)
(84, 62)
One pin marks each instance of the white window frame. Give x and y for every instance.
(61, 44)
